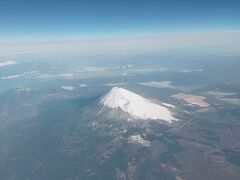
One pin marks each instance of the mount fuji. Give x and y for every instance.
(136, 106)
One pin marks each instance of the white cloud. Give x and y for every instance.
(68, 88)
(23, 89)
(235, 101)
(157, 84)
(7, 63)
(115, 84)
(91, 69)
(12, 76)
(148, 70)
(221, 94)
(83, 85)
(64, 75)
(191, 70)
(228, 97)
(29, 73)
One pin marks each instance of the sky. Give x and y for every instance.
(63, 19)
(95, 26)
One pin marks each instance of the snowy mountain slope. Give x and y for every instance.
(136, 105)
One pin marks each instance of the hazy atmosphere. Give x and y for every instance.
(125, 90)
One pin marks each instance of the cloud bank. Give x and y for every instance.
(218, 42)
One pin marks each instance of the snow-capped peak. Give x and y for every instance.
(136, 105)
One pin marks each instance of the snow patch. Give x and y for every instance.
(137, 139)
(169, 105)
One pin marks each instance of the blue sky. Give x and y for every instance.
(62, 19)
